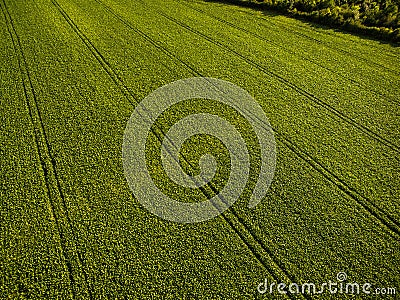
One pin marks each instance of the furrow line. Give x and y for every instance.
(261, 253)
(309, 95)
(391, 52)
(257, 248)
(381, 216)
(326, 43)
(254, 246)
(57, 206)
(96, 53)
(392, 224)
(389, 222)
(270, 266)
(260, 37)
(147, 37)
(37, 132)
(334, 47)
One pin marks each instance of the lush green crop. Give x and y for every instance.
(73, 71)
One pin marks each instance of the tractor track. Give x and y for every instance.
(303, 57)
(57, 203)
(286, 82)
(331, 45)
(343, 187)
(74, 259)
(392, 224)
(247, 237)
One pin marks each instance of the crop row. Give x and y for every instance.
(331, 145)
(31, 257)
(89, 68)
(342, 93)
(368, 69)
(189, 48)
(122, 248)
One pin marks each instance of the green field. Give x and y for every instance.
(72, 73)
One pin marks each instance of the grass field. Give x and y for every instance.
(71, 74)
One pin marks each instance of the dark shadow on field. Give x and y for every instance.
(274, 12)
